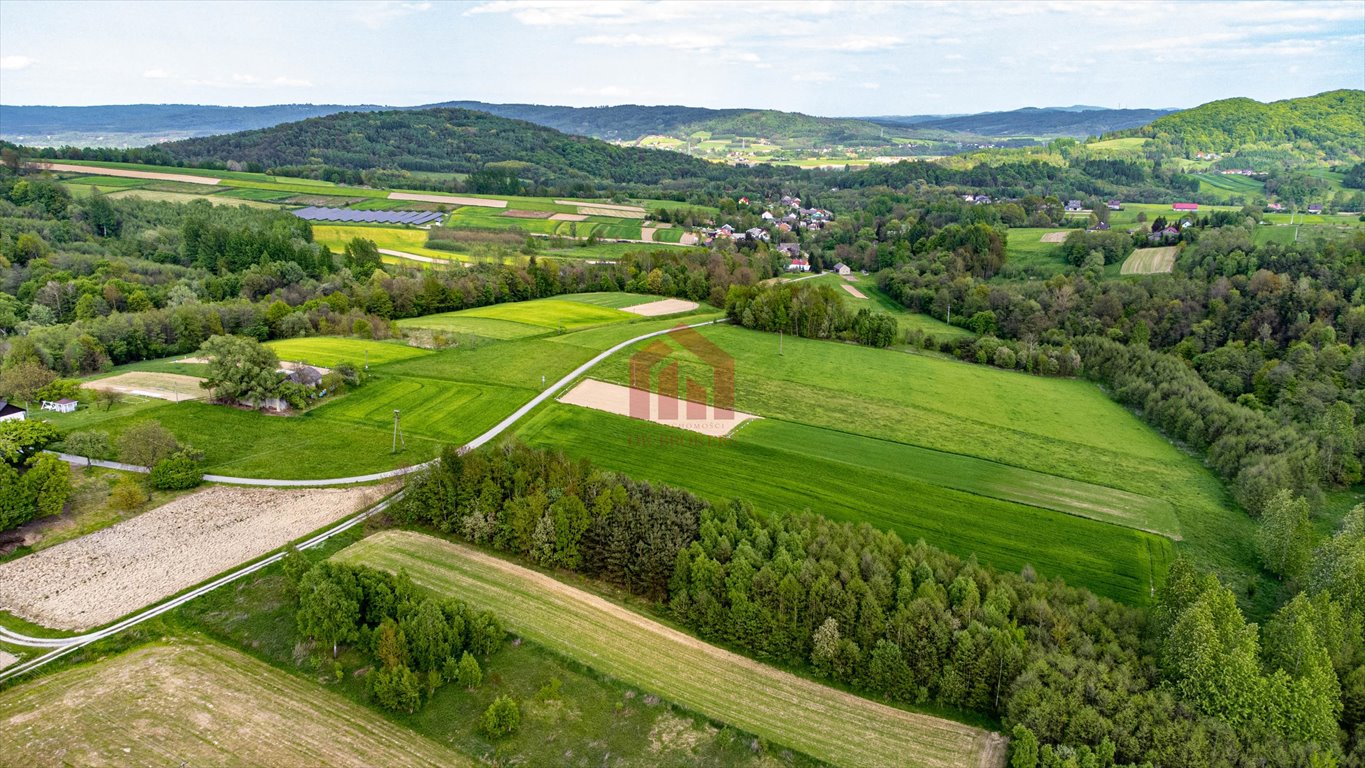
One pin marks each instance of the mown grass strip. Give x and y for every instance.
(825, 723)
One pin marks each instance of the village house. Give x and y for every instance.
(1276, 207)
(1103, 226)
(790, 250)
(798, 265)
(981, 200)
(1315, 209)
(756, 233)
(1074, 205)
(11, 412)
(1114, 205)
(767, 216)
(1191, 207)
(841, 269)
(65, 405)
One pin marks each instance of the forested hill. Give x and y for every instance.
(1032, 121)
(442, 140)
(1333, 122)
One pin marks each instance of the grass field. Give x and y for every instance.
(571, 714)
(1226, 186)
(522, 319)
(1063, 428)
(823, 722)
(1024, 247)
(181, 197)
(1150, 261)
(879, 302)
(609, 300)
(327, 351)
(194, 702)
(337, 236)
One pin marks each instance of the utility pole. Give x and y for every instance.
(397, 434)
(779, 341)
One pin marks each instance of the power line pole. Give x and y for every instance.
(397, 434)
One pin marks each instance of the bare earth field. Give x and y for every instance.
(515, 214)
(606, 209)
(854, 292)
(1150, 261)
(163, 386)
(1054, 237)
(668, 411)
(98, 578)
(825, 723)
(661, 307)
(7, 659)
(200, 704)
(453, 200)
(95, 171)
(568, 217)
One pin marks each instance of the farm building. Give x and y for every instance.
(1184, 206)
(1114, 205)
(1103, 226)
(65, 405)
(10, 412)
(798, 265)
(1315, 209)
(842, 269)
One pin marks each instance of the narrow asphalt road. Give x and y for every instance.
(64, 645)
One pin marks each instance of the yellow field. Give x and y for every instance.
(1150, 261)
(197, 703)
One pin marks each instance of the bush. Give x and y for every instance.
(146, 443)
(501, 718)
(468, 674)
(177, 472)
(127, 495)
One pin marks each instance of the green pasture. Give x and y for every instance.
(1024, 247)
(444, 411)
(1112, 560)
(405, 239)
(552, 314)
(877, 301)
(327, 351)
(1062, 427)
(609, 300)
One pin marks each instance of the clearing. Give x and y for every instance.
(1150, 261)
(661, 409)
(162, 386)
(662, 307)
(823, 722)
(198, 703)
(97, 578)
(521, 319)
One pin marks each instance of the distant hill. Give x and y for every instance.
(1333, 122)
(147, 123)
(1075, 121)
(442, 140)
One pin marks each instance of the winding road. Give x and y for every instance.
(63, 645)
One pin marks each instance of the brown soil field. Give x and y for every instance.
(661, 307)
(854, 292)
(110, 573)
(198, 703)
(163, 386)
(451, 199)
(1054, 237)
(527, 214)
(568, 217)
(614, 398)
(7, 659)
(90, 169)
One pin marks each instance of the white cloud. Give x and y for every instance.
(678, 41)
(856, 43)
(378, 13)
(246, 80)
(156, 74)
(813, 77)
(10, 63)
(291, 82)
(870, 86)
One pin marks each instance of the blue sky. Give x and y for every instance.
(821, 57)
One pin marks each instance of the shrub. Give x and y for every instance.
(397, 689)
(501, 718)
(468, 673)
(127, 494)
(146, 443)
(177, 472)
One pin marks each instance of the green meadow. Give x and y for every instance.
(327, 351)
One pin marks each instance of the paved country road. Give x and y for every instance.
(63, 645)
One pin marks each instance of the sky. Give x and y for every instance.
(824, 57)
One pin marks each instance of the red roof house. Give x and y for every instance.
(1184, 206)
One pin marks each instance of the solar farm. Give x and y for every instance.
(415, 218)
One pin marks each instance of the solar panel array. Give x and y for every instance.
(313, 213)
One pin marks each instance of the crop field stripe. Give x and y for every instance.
(328, 351)
(1109, 559)
(823, 722)
(199, 703)
(970, 474)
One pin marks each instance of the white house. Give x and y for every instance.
(65, 405)
(842, 269)
(9, 412)
(767, 216)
